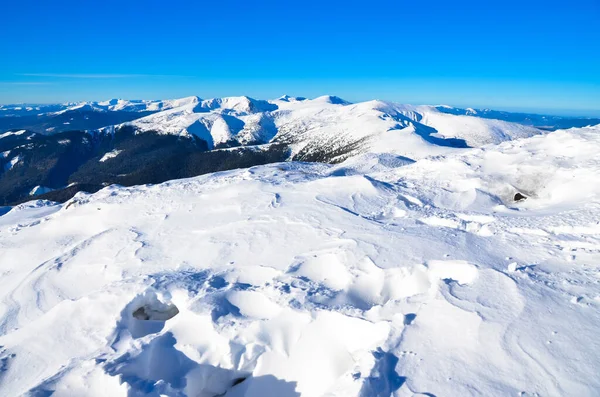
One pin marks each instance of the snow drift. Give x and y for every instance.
(378, 276)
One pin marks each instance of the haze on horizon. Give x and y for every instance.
(540, 56)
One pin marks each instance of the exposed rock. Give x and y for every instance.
(520, 197)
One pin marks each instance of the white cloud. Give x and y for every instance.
(88, 75)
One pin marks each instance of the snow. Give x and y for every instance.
(329, 124)
(85, 106)
(384, 275)
(330, 99)
(474, 130)
(36, 191)
(125, 105)
(287, 98)
(557, 170)
(12, 133)
(215, 120)
(110, 155)
(253, 304)
(12, 163)
(221, 131)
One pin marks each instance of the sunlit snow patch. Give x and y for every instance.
(9, 133)
(109, 155)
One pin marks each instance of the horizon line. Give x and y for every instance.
(591, 113)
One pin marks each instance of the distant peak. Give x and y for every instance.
(334, 100)
(237, 103)
(111, 102)
(189, 100)
(288, 98)
(192, 98)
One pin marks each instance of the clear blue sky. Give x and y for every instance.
(526, 54)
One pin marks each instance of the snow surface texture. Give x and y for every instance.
(329, 125)
(379, 276)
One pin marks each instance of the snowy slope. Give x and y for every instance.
(474, 130)
(379, 276)
(328, 128)
(12, 133)
(546, 122)
(216, 121)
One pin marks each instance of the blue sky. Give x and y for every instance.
(516, 55)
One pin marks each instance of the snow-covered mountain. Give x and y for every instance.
(472, 272)
(162, 140)
(546, 122)
(328, 128)
(111, 105)
(52, 118)
(114, 105)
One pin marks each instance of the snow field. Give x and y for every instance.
(380, 276)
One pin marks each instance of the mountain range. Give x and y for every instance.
(53, 151)
(52, 118)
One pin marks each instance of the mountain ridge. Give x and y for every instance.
(192, 136)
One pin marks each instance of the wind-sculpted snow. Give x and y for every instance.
(379, 276)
